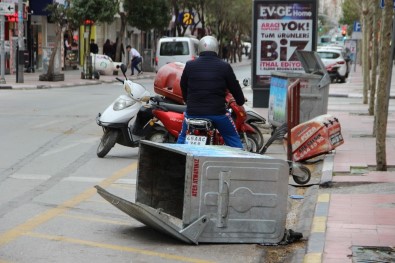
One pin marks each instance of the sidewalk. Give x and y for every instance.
(72, 78)
(347, 219)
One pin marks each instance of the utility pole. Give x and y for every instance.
(5, 9)
(2, 65)
(21, 44)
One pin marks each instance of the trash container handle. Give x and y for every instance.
(223, 199)
(226, 193)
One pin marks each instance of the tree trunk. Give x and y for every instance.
(365, 51)
(203, 22)
(51, 65)
(382, 90)
(118, 52)
(374, 55)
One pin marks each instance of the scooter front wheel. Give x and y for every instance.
(107, 141)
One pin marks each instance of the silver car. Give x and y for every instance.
(336, 61)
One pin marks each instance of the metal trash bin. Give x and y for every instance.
(213, 194)
(314, 90)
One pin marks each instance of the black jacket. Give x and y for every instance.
(204, 82)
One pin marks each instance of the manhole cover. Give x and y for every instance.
(373, 254)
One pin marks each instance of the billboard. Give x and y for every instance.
(280, 28)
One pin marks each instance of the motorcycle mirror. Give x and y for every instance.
(246, 82)
(124, 68)
(145, 98)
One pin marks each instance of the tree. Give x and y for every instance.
(367, 29)
(197, 8)
(230, 24)
(58, 15)
(351, 12)
(89, 12)
(93, 11)
(118, 51)
(147, 14)
(374, 58)
(382, 90)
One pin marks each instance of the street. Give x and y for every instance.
(49, 210)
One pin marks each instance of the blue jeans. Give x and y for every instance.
(224, 124)
(135, 63)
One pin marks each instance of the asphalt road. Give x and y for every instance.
(49, 210)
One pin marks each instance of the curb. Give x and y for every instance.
(316, 241)
(354, 95)
(65, 85)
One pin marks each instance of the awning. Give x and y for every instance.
(37, 7)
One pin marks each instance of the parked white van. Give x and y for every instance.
(175, 49)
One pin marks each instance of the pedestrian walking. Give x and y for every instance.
(135, 59)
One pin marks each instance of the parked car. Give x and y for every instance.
(337, 62)
(175, 49)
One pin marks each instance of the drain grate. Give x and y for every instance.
(369, 254)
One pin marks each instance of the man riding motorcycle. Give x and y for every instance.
(204, 83)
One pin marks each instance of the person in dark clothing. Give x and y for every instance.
(204, 84)
(107, 48)
(93, 47)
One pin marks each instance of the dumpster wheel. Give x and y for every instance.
(302, 176)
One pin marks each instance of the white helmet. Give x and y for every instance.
(208, 43)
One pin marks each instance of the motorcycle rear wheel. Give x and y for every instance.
(107, 141)
(158, 135)
(257, 135)
(251, 145)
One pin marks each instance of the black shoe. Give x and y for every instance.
(132, 74)
(140, 73)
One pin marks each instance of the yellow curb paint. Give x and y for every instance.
(323, 198)
(39, 219)
(319, 224)
(312, 258)
(118, 248)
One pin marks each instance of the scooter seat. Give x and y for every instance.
(173, 107)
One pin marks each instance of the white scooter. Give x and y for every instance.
(119, 119)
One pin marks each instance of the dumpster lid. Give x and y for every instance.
(311, 62)
(157, 219)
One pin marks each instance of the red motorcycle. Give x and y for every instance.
(167, 84)
(171, 117)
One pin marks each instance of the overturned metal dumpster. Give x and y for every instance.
(213, 194)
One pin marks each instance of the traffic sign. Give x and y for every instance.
(357, 27)
(186, 18)
(382, 4)
(7, 8)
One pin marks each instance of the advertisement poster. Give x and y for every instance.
(278, 100)
(283, 28)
